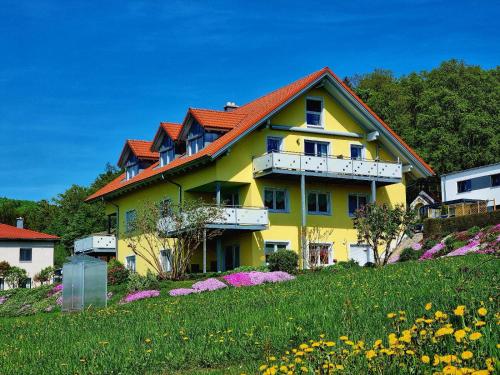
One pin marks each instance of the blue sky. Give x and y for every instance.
(79, 77)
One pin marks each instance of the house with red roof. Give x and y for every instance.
(26, 249)
(303, 156)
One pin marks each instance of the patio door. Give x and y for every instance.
(231, 257)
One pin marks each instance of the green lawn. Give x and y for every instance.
(234, 330)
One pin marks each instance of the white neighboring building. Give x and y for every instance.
(481, 183)
(27, 249)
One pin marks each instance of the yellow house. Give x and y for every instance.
(304, 156)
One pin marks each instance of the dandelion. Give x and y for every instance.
(425, 359)
(467, 355)
(370, 354)
(428, 306)
(482, 311)
(459, 311)
(459, 335)
(475, 336)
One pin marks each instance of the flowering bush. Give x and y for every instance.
(2, 300)
(438, 343)
(429, 254)
(257, 278)
(55, 290)
(140, 295)
(208, 285)
(416, 246)
(182, 292)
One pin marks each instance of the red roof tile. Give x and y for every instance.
(240, 121)
(209, 118)
(8, 232)
(141, 149)
(172, 129)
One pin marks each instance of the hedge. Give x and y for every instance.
(438, 228)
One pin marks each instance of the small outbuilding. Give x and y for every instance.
(85, 283)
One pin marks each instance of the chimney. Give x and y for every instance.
(230, 106)
(20, 222)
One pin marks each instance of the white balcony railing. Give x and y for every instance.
(231, 217)
(328, 165)
(95, 243)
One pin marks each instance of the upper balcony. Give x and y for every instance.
(95, 244)
(236, 218)
(327, 166)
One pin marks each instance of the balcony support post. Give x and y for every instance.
(304, 220)
(374, 191)
(218, 247)
(204, 251)
(217, 193)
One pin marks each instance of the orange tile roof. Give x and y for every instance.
(8, 232)
(210, 118)
(172, 129)
(240, 121)
(141, 149)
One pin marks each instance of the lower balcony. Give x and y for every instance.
(327, 166)
(235, 218)
(96, 244)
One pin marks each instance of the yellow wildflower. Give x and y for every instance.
(467, 355)
(436, 360)
(482, 311)
(330, 343)
(428, 306)
(480, 323)
(339, 367)
(344, 338)
(304, 369)
(410, 352)
(283, 368)
(443, 331)
(459, 335)
(370, 354)
(303, 346)
(459, 311)
(377, 343)
(448, 358)
(262, 368)
(475, 336)
(391, 315)
(147, 341)
(425, 359)
(450, 370)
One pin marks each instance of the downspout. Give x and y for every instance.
(176, 184)
(117, 224)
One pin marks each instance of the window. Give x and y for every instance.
(357, 152)
(130, 217)
(165, 207)
(165, 256)
(2, 284)
(314, 112)
(166, 156)
(26, 283)
(230, 199)
(130, 263)
(132, 171)
(318, 203)
(272, 247)
(320, 254)
(314, 148)
(276, 200)
(195, 139)
(25, 255)
(356, 201)
(274, 144)
(464, 186)
(495, 179)
(112, 221)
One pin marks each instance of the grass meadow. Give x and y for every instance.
(236, 330)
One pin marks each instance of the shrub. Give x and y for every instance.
(284, 260)
(4, 268)
(429, 244)
(44, 276)
(248, 269)
(137, 282)
(410, 254)
(15, 276)
(117, 273)
(438, 228)
(474, 230)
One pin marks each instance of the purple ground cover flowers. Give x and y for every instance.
(429, 254)
(140, 295)
(208, 285)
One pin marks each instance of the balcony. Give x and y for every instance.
(236, 218)
(95, 244)
(327, 166)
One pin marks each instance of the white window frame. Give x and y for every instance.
(287, 199)
(166, 267)
(328, 203)
(321, 114)
(358, 145)
(330, 253)
(275, 243)
(127, 263)
(280, 139)
(316, 142)
(366, 195)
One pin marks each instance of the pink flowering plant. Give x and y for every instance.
(143, 294)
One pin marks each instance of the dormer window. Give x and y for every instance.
(314, 112)
(167, 151)
(132, 167)
(198, 138)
